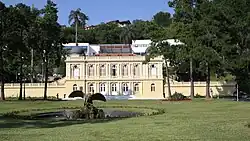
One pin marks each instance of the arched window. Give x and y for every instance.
(124, 70)
(91, 70)
(136, 70)
(113, 87)
(152, 87)
(102, 70)
(91, 88)
(136, 87)
(125, 87)
(102, 87)
(153, 69)
(113, 70)
(74, 87)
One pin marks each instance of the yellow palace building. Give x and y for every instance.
(115, 70)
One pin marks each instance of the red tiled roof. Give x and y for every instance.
(115, 54)
(125, 46)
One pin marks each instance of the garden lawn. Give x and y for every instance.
(198, 120)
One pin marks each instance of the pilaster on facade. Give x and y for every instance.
(134, 70)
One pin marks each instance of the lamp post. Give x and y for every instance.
(43, 63)
(85, 75)
(45, 73)
(237, 92)
(24, 88)
(21, 79)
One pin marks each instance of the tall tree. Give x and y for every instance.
(232, 18)
(2, 8)
(49, 42)
(207, 40)
(108, 33)
(25, 21)
(79, 19)
(161, 47)
(183, 25)
(162, 19)
(127, 34)
(13, 36)
(142, 29)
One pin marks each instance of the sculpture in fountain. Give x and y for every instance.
(88, 110)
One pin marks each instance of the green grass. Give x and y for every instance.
(35, 111)
(197, 120)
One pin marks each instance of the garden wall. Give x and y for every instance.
(34, 90)
(218, 88)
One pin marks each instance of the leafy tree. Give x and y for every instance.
(48, 44)
(13, 36)
(79, 19)
(24, 18)
(162, 19)
(161, 47)
(108, 33)
(207, 39)
(127, 34)
(233, 23)
(183, 30)
(142, 29)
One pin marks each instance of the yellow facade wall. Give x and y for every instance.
(146, 89)
(144, 76)
(33, 90)
(218, 88)
(36, 90)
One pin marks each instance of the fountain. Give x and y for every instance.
(88, 111)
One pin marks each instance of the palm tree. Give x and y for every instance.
(77, 18)
(127, 34)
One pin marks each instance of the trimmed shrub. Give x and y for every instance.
(177, 96)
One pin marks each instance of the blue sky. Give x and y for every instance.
(103, 10)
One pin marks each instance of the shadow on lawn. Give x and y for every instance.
(15, 123)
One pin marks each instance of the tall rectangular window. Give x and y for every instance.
(91, 70)
(102, 70)
(113, 70)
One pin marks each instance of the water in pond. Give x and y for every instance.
(109, 113)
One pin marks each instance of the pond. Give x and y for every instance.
(63, 114)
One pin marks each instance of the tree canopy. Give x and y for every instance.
(215, 36)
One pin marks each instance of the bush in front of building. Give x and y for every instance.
(178, 96)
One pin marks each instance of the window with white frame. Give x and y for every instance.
(125, 70)
(113, 87)
(152, 87)
(102, 70)
(113, 70)
(153, 69)
(136, 70)
(91, 88)
(74, 87)
(91, 70)
(102, 87)
(136, 87)
(76, 72)
(125, 87)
